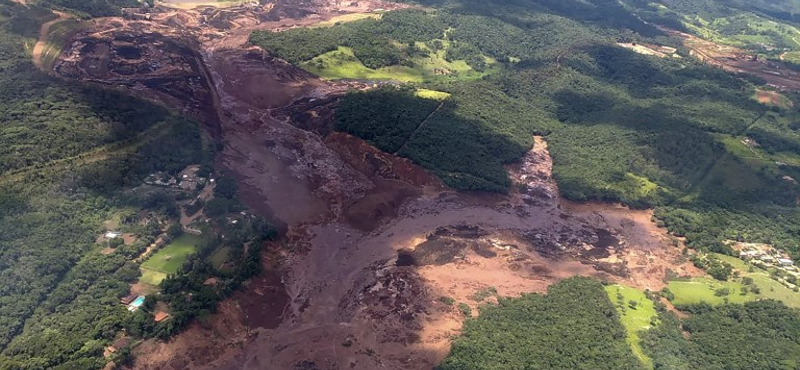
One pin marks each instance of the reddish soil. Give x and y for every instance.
(263, 301)
(772, 98)
(372, 241)
(735, 60)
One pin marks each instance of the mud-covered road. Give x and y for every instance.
(373, 242)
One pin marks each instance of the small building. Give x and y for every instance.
(128, 299)
(112, 234)
(767, 258)
(785, 262)
(121, 343)
(116, 346)
(160, 316)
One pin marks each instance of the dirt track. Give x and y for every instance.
(372, 241)
(43, 32)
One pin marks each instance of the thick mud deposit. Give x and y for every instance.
(372, 241)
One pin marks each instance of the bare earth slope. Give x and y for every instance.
(372, 241)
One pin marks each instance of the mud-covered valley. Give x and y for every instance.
(372, 241)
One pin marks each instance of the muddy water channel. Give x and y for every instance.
(372, 241)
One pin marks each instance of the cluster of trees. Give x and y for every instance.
(376, 43)
(756, 335)
(573, 326)
(186, 293)
(386, 117)
(715, 267)
(92, 8)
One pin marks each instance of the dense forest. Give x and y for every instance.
(573, 326)
(756, 335)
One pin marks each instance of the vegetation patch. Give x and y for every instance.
(637, 313)
(404, 45)
(773, 99)
(431, 94)
(748, 283)
(755, 335)
(171, 257)
(151, 277)
(344, 18)
(385, 117)
(574, 325)
(220, 257)
(342, 63)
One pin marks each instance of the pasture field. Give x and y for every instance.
(431, 94)
(343, 64)
(151, 277)
(220, 256)
(168, 259)
(634, 320)
(344, 18)
(704, 289)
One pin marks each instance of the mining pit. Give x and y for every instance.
(372, 241)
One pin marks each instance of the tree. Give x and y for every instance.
(174, 230)
(226, 188)
(115, 242)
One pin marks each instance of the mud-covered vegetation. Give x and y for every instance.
(573, 326)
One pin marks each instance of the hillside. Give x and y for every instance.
(75, 159)
(645, 131)
(453, 184)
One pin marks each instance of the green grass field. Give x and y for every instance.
(703, 289)
(151, 277)
(343, 64)
(431, 94)
(634, 320)
(347, 18)
(220, 256)
(169, 259)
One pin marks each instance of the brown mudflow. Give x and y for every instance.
(372, 240)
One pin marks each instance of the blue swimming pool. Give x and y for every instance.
(138, 301)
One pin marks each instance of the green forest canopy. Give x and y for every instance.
(573, 326)
(756, 335)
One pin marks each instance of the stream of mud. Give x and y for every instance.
(372, 241)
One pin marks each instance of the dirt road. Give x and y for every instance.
(44, 31)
